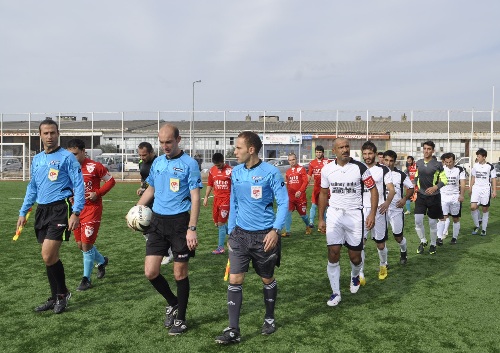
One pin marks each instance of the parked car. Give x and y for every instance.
(112, 164)
(115, 162)
(10, 164)
(497, 169)
(132, 164)
(282, 164)
(464, 162)
(231, 162)
(306, 167)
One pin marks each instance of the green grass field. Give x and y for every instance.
(448, 302)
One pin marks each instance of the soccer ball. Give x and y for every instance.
(139, 217)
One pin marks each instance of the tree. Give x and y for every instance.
(107, 148)
(230, 153)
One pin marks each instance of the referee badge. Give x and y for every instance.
(174, 184)
(53, 173)
(256, 192)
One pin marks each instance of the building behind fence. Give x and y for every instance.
(203, 133)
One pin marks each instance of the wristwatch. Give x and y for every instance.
(278, 231)
(77, 213)
(193, 228)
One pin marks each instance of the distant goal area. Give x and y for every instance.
(14, 161)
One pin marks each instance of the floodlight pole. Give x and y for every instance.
(191, 125)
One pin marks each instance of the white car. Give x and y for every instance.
(282, 164)
(10, 164)
(464, 162)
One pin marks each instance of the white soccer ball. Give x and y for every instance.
(139, 217)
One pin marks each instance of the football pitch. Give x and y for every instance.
(447, 302)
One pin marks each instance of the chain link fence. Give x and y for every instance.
(117, 134)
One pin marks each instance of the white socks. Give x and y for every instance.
(433, 230)
(333, 271)
(382, 254)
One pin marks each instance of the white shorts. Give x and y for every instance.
(450, 205)
(379, 231)
(395, 218)
(481, 195)
(345, 227)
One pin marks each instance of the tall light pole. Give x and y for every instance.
(191, 125)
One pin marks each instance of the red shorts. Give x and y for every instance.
(90, 220)
(315, 195)
(299, 204)
(220, 210)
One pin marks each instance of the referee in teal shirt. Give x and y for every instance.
(55, 178)
(174, 182)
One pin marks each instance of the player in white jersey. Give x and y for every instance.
(345, 179)
(452, 196)
(483, 187)
(395, 216)
(383, 180)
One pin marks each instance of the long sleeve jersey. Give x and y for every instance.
(54, 177)
(429, 174)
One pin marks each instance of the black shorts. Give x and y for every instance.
(429, 205)
(169, 232)
(245, 246)
(51, 221)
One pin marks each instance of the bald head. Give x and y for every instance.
(169, 139)
(169, 128)
(339, 140)
(342, 150)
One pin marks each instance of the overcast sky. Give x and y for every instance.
(105, 55)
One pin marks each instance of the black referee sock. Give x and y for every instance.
(270, 293)
(234, 300)
(162, 287)
(52, 283)
(57, 270)
(182, 297)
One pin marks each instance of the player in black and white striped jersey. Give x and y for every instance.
(345, 222)
(483, 187)
(395, 216)
(452, 196)
(383, 181)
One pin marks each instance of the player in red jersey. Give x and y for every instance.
(411, 170)
(315, 172)
(297, 181)
(219, 180)
(90, 218)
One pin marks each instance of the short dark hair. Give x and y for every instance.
(380, 153)
(447, 155)
(251, 140)
(145, 145)
(482, 152)
(320, 148)
(80, 144)
(429, 143)
(217, 158)
(413, 159)
(48, 122)
(368, 145)
(391, 153)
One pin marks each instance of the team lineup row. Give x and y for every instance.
(352, 199)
